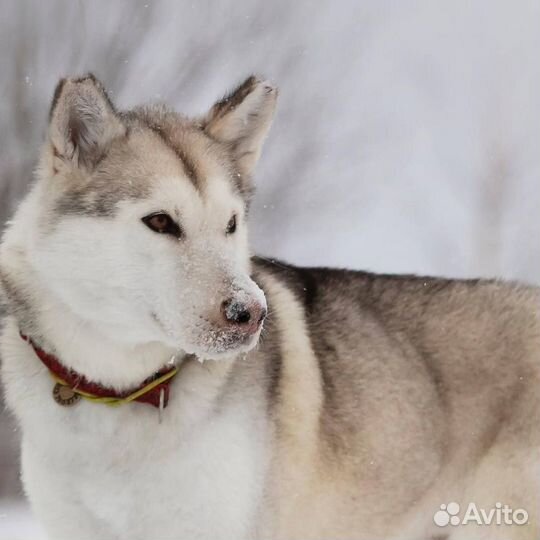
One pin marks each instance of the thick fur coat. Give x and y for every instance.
(360, 405)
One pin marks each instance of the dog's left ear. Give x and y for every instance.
(242, 120)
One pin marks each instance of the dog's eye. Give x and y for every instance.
(231, 226)
(162, 223)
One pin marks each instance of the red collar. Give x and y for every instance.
(79, 382)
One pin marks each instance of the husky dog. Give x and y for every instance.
(152, 402)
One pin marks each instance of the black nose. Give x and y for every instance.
(239, 313)
(236, 312)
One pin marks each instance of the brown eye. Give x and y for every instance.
(231, 226)
(162, 223)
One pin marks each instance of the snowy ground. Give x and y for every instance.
(406, 138)
(17, 523)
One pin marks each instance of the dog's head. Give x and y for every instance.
(145, 230)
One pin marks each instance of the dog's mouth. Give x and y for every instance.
(223, 343)
(213, 342)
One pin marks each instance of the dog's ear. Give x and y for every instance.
(83, 122)
(242, 120)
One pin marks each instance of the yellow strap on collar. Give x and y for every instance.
(115, 401)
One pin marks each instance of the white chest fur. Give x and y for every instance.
(95, 471)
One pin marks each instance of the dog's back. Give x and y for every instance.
(427, 393)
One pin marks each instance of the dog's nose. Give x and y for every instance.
(235, 312)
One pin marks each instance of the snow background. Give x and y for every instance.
(407, 137)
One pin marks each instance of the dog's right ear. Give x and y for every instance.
(242, 119)
(83, 122)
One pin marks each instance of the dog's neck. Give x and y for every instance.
(88, 352)
(86, 349)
